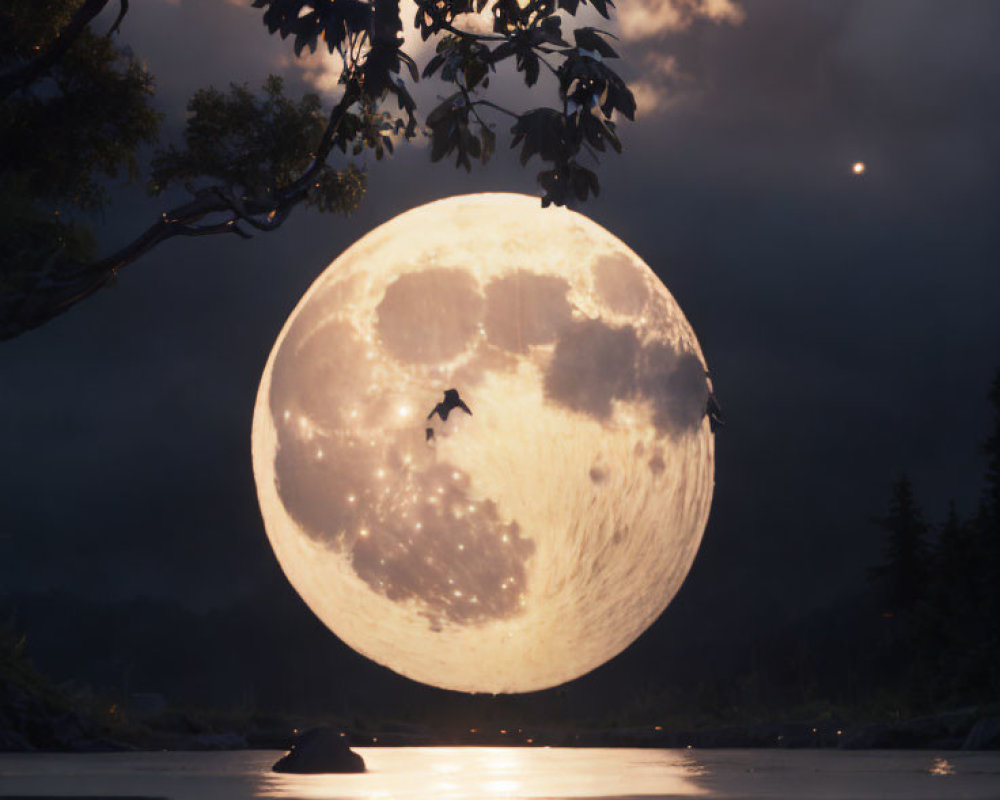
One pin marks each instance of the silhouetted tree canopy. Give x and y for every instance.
(75, 109)
(78, 120)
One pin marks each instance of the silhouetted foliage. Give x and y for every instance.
(248, 160)
(82, 122)
(87, 123)
(253, 147)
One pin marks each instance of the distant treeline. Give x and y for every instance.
(924, 637)
(939, 588)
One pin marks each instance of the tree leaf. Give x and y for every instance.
(590, 39)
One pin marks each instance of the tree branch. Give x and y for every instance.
(479, 37)
(118, 20)
(229, 226)
(61, 292)
(490, 104)
(28, 73)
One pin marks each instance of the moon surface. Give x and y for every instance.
(527, 544)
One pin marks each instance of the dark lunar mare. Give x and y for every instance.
(407, 523)
(595, 363)
(463, 564)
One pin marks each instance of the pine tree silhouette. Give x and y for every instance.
(954, 564)
(954, 611)
(991, 448)
(902, 576)
(988, 528)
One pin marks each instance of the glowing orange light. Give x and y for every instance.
(859, 168)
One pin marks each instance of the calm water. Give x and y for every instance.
(482, 773)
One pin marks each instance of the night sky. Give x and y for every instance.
(851, 323)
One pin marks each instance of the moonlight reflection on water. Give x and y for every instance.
(481, 773)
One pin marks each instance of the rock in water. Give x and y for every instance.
(320, 750)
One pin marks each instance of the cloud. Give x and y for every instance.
(654, 19)
(641, 24)
(321, 69)
(663, 81)
(650, 98)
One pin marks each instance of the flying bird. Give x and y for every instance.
(712, 408)
(714, 412)
(445, 407)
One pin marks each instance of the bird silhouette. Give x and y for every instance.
(445, 407)
(714, 412)
(712, 408)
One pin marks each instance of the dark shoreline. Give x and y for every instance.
(965, 730)
(37, 714)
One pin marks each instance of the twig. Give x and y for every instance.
(498, 108)
(118, 20)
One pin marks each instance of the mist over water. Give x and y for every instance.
(484, 773)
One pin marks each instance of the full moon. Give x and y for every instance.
(524, 544)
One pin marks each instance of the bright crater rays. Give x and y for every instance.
(524, 545)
